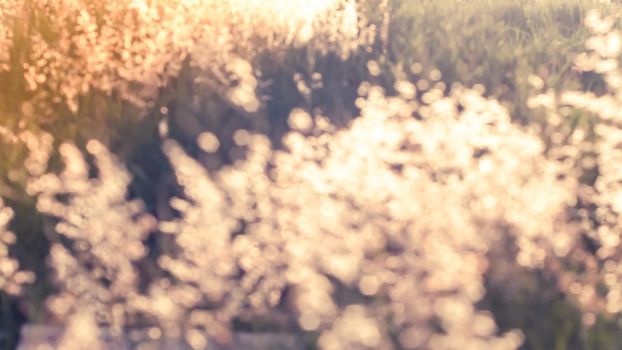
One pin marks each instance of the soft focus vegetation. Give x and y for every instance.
(370, 174)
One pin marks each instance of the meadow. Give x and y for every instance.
(361, 174)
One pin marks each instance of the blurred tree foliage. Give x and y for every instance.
(493, 43)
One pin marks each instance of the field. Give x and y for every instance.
(360, 174)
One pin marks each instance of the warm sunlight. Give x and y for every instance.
(293, 174)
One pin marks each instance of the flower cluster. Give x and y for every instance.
(382, 227)
(132, 48)
(379, 231)
(591, 151)
(11, 278)
(100, 234)
(7, 17)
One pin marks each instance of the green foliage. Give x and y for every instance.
(493, 43)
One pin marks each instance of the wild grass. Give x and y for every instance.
(372, 174)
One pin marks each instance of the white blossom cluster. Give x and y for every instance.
(12, 279)
(592, 148)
